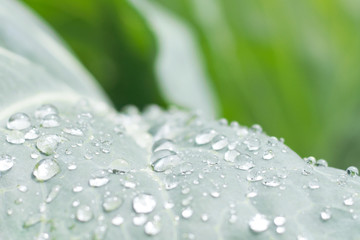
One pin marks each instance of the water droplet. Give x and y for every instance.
(15, 137)
(219, 142)
(72, 166)
(98, 181)
(244, 162)
(233, 218)
(230, 155)
(45, 110)
(163, 144)
(187, 212)
(168, 205)
(139, 220)
(117, 220)
(46, 169)
(352, 171)
(271, 182)
(22, 188)
(32, 220)
(349, 201)
(119, 166)
(6, 162)
(280, 230)
(259, 223)
(112, 203)
(73, 131)
(77, 188)
(129, 184)
(279, 221)
(325, 214)
(268, 154)
(314, 184)
(163, 160)
(310, 160)
(152, 228)
(48, 144)
(253, 144)
(144, 203)
(84, 213)
(42, 236)
(215, 194)
(205, 136)
(19, 121)
(53, 193)
(254, 175)
(171, 181)
(321, 163)
(32, 134)
(50, 121)
(186, 168)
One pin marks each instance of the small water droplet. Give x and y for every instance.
(280, 230)
(117, 220)
(19, 121)
(215, 194)
(186, 168)
(45, 110)
(32, 134)
(171, 181)
(73, 131)
(205, 136)
(53, 193)
(77, 188)
(6, 162)
(32, 220)
(72, 166)
(98, 181)
(253, 144)
(352, 171)
(219, 142)
(112, 203)
(84, 213)
(187, 212)
(163, 160)
(119, 166)
(325, 214)
(46, 169)
(321, 163)
(259, 223)
(314, 184)
(139, 220)
(244, 162)
(254, 175)
(152, 228)
(144, 203)
(15, 137)
(204, 217)
(310, 160)
(271, 182)
(230, 155)
(268, 154)
(168, 205)
(279, 221)
(163, 144)
(349, 201)
(22, 188)
(50, 121)
(48, 144)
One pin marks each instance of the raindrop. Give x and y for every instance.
(271, 182)
(168, 205)
(321, 163)
(6, 162)
(279, 221)
(119, 166)
(144, 203)
(19, 121)
(230, 155)
(352, 171)
(15, 137)
(205, 136)
(50, 121)
(253, 144)
(171, 181)
(72, 166)
(163, 160)
(84, 213)
(32, 134)
(215, 194)
(204, 217)
(187, 212)
(129, 184)
(48, 144)
(45, 110)
(53, 193)
(325, 214)
(310, 160)
(163, 144)
(22, 188)
(244, 162)
(117, 220)
(186, 168)
(268, 154)
(314, 184)
(280, 230)
(152, 228)
(254, 175)
(349, 201)
(111, 203)
(77, 188)
(98, 181)
(259, 223)
(73, 131)
(139, 220)
(46, 169)
(219, 142)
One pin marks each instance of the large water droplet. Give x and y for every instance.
(259, 223)
(19, 121)
(15, 137)
(84, 213)
(205, 136)
(164, 159)
(6, 162)
(46, 169)
(45, 110)
(111, 203)
(352, 171)
(48, 144)
(219, 142)
(144, 203)
(163, 144)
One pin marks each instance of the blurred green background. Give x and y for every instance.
(291, 66)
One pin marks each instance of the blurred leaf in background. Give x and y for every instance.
(291, 66)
